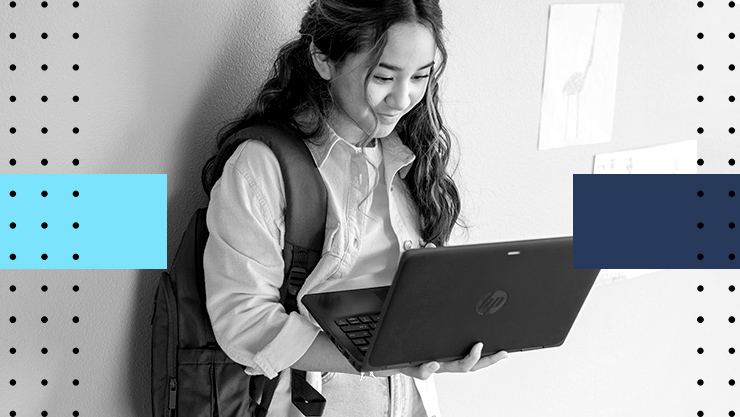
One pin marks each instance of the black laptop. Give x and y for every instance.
(512, 296)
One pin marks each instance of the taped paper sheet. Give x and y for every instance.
(673, 158)
(580, 74)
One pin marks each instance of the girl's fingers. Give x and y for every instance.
(487, 361)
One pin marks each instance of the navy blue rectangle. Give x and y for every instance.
(652, 221)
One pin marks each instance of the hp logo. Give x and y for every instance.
(491, 303)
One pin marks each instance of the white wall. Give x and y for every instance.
(157, 79)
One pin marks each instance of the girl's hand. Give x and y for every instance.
(470, 363)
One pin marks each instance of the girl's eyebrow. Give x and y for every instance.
(399, 69)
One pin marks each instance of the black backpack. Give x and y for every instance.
(191, 375)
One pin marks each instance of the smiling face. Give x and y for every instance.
(396, 85)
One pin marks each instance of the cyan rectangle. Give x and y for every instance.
(121, 221)
(652, 221)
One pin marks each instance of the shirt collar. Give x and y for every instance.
(395, 151)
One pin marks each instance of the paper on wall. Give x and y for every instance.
(580, 74)
(673, 158)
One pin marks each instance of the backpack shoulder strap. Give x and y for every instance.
(306, 199)
(305, 223)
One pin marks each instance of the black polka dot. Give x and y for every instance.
(700, 193)
(732, 256)
(44, 319)
(731, 382)
(700, 414)
(44, 35)
(700, 99)
(700, 67)
(44, 67)
(12, 130)
(44, 288)
(76, 193)
(12, 193)
(44, 256)
(700, 256)
(75, 288)
(700, 225)
(700, 130)
(75, 319)
(75, 256)
(732, 130)
(731, 35)
(75, 225)
(12, 225)
(12, 4)
(12, 36)
(700, 350)
(700, 288)
(731, 162)
(12, 382)
(12, 319)
(12, 351)
(75, 413)
(731, 319)
(44, 225)
(44, 193)
(75, 99)
(44, 382)
(75, 351)
(44, 414)
(12, 67)
(44, 162)
(732, 99)
(12, 99)
(44, 130)
(700, 319)
(44, 351)
(44, 99)
(732, 351)
(732, 225)
(731, 288)
(700, 4)
(700, 382)
(12, 257)
(44, 4)
(76, 35)
(731, 193)
(75, 382)
(12, 288)
(700, 162)
(732, 67)
(75, 162)
(75, 130)
(76, 4)
(75, 67)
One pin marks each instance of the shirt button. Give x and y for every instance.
(407, 245)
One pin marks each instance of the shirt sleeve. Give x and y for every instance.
(243, 265)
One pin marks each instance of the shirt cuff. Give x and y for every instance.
(290, 344)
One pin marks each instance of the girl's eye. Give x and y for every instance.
(384, 79)
(421, 77)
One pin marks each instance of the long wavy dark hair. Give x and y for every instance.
(340, 28)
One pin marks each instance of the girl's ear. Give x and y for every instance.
(321, 62)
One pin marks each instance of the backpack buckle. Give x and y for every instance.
(296, 278)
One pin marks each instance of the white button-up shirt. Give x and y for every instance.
(243, 259)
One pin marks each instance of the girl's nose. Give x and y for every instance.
(399, 97)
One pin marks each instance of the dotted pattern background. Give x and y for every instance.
(154, 82)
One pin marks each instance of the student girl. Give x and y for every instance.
(361, 82)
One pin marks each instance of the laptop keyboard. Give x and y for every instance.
(359, 330)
